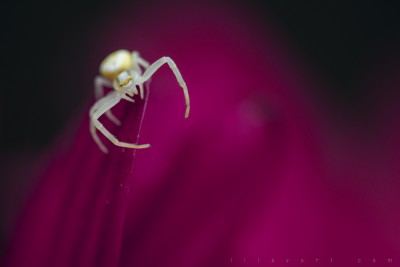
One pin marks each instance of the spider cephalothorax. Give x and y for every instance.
(123, 71)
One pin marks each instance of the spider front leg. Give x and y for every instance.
(103, 108)
(156, 65)
(99, 83)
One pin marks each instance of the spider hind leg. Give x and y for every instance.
(96, 112)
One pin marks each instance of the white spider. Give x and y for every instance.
(122, 71)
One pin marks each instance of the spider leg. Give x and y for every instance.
(143, 63)
(156, 65)
(141, 91)
(97, 139)
(99, 83)
(100, 102)
(139, 62)
(136, 66)
(93, 109)
(127, 98)
(107, 105)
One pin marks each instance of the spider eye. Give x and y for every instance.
(125, 81)
(124, 78)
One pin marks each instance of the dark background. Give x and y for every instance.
(45, 72)
(46, 41)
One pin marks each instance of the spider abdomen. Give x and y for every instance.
(115, 63)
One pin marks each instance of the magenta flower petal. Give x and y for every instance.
(244, 178)
(217, 186)
(75, 217)
(212, 187)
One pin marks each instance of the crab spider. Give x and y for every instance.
(122, 70)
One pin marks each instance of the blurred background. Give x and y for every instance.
(48, 41)
(46, 55)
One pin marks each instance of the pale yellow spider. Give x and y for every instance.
(122, 70)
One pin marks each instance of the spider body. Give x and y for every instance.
(115, 63)
(125, 71)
